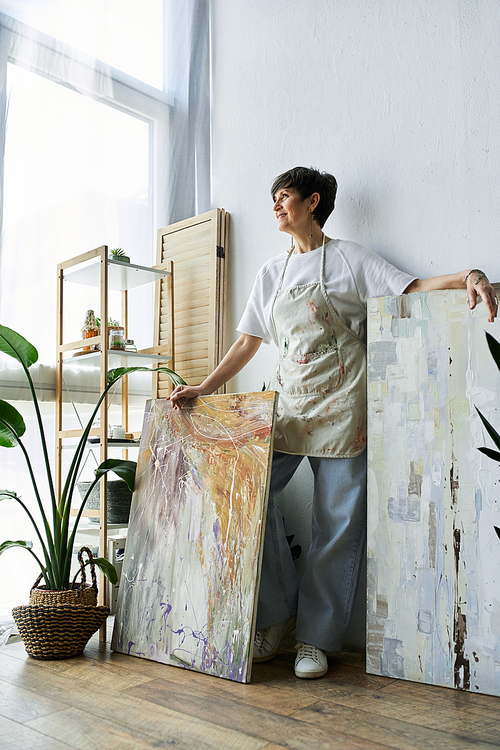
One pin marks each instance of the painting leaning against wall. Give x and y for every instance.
(433, 606)
(192, 559)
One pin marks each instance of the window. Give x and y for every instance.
(82, 149)
(95, 152)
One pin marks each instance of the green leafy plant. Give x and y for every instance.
(111, 322)
(55, 536)
(118, 254)
(494, 347)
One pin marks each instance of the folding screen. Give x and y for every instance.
(433, 605)
(192, 561)
(197, 248)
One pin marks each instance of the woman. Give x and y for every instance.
(311, 301)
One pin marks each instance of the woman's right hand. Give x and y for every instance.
(183, 392)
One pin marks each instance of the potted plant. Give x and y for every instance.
(54, 533)
(118, 254)
(90, 329)
(494, 347)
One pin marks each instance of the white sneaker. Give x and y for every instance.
(268, 640)
(310, 662)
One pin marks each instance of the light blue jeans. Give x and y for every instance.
(324, 598)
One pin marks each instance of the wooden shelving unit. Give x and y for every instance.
(95, 269)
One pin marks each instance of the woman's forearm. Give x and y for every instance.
(448, 281)
(235, 360)
(474, 280)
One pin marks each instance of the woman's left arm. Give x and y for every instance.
(475, 281)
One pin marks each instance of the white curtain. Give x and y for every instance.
(104, 138)
(189, 145)
(91, 154)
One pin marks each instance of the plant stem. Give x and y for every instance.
(42, 438)
(71, 540)
(42, 568)
(42, 512)
(48, 568)
(69, 485)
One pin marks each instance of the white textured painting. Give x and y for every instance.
(433, 608)
(190, 574)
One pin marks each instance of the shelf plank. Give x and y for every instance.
(117, 358)
(122, 276)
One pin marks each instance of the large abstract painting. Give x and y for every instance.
(190, 575)
(433, 498)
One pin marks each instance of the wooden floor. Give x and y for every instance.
(106, 701)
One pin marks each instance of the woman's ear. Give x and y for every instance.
(314, 200)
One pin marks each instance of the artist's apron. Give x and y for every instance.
(320, 375)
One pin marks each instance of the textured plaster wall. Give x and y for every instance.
(399, 100)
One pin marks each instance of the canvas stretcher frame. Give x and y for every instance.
(192, 563)
(433, 600)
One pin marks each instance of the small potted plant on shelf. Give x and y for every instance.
(118, 254)
(60, 604)
(90, 329)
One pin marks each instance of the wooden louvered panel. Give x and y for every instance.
(188, 318)
(186, 347)
(187, 355)
(197, 249)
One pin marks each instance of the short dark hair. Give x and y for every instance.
(307, 181)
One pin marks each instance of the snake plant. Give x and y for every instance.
(54, 533)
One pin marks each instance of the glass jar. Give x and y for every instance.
(130, 346)
(117, 339)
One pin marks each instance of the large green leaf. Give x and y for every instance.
(124, 469)
(119, 372)
(8, 495)
(107, 568)
(490, 429)
(12, 425)
(494, 348)
(8, 544)
(495, 455)
(16, 346)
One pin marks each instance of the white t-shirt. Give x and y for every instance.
(352, 275)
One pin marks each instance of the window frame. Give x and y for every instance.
(22, 45)
(129, 95)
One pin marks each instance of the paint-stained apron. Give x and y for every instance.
(320, 375)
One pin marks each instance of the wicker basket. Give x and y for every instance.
(57, 632)
(85, 593)
(119, 500)
(54, 627)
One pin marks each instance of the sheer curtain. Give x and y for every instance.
(189, 145)
(104, 137)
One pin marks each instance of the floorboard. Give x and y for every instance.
(103, 700)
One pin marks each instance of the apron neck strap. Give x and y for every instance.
(322, 272)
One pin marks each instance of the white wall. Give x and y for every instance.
(398, 98)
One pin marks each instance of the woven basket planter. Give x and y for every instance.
(45, 597)
(58, 624)
(119, 500)
(57, 632)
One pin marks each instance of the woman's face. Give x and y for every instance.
(292, 213)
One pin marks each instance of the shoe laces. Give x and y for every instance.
(306, 651)
(260, 637)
